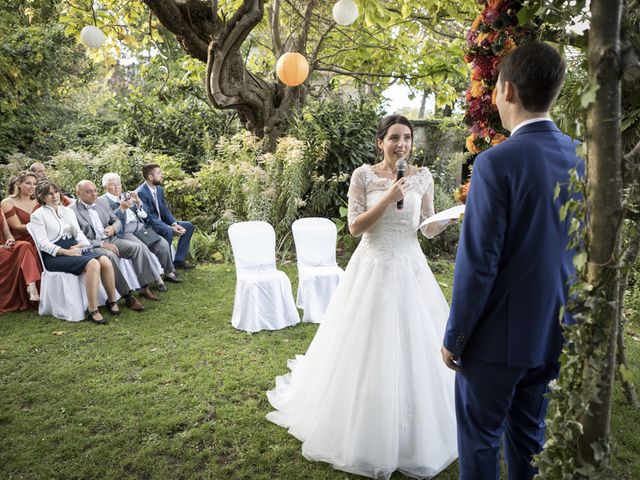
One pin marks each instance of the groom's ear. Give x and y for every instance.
(509, 91)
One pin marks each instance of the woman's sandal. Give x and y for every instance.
(93, 319)
(110, 306)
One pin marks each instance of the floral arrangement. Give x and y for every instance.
(494, 32)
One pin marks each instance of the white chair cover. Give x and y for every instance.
(129, 274)
(63, 295)
(263, 298)
(318, 272)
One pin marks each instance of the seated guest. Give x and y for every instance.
(100, 226)
(160, 217)
(133, 217)
(65, 249)
(20, 204)
(41, 172)
(19, 271)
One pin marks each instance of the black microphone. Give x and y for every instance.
(401, 167)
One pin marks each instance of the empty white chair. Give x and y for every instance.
(263, 299)
(63, 295)
(318, 272)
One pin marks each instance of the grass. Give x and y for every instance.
(174, 392)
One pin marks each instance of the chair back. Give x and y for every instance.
(30, 231)
(315, 240)
(253, 244)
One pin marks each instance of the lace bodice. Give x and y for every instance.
(367, 188)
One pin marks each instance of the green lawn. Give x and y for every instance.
(174, 392)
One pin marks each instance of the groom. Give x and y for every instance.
(504, 334)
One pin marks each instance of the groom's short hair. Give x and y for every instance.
(537, 71)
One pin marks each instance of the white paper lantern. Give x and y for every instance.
(92, 36)
(345, 12)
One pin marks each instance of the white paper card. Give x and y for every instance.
(444, 216)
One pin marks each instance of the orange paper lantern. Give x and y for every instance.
(292, 69)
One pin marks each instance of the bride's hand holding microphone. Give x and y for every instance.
(398, 188)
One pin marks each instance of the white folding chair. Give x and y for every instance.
(63, 295)
(263, 299)
(318, 272)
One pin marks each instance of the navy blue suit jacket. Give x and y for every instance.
(165, 218)
(512, 266)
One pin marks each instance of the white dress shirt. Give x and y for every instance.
(527, 122)
(98, 228)
(154, 194)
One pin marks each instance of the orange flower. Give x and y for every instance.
(494, 4)
(508, 45)
(477, 88)
(494, 94)
(498, 138)
(482, 37)
(460, 195)
(476, 23)
(471, 143)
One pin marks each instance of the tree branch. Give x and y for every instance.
(631, 165)
(194, 38)
(274, 21)
(344, 71)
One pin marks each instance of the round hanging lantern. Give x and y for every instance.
(345, 12)
(92, 36)
(292, 69)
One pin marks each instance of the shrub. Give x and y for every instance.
(347, 129)
(72, 166)
(123, 159)
(15, 164)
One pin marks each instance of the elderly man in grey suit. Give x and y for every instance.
(133, 218)
(100, 225)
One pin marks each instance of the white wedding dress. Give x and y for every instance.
(372, 395)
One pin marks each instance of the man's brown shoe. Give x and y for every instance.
(147, 293)
(134, 304)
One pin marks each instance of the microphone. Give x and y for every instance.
(401, 167)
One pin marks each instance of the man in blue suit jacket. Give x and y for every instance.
(512, 269)
(160, 217)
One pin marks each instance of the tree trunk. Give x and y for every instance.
(264, 108)
(423, 104)
(604, 192)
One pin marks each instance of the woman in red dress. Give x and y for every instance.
(19, 271)
(20, 204)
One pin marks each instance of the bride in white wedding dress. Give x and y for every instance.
(371, 395)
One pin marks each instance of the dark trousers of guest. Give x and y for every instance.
(183, 242)
(496, 402)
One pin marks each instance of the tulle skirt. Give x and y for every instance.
(372, 395)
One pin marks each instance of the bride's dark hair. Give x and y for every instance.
(383, 128)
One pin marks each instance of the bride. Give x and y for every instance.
(371, 395)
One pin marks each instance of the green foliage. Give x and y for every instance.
(167, 111)
(244, 183)
(72, 167)
(444, 171)
(348, 128)
(583, 354)
(38, 67)
(15, 164)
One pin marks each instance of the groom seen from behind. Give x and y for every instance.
(504, 333)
